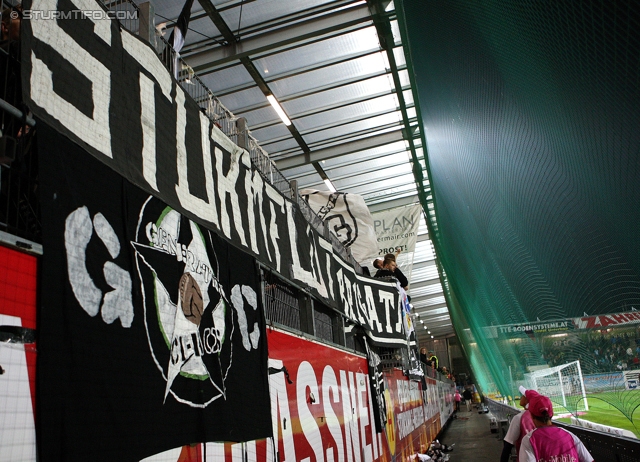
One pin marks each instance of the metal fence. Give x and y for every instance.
(127, 13)
(322, 325)
(281, 303)
(19, 204)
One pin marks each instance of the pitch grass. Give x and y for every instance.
(603, 409)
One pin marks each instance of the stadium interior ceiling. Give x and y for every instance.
(513, 124)
(339, 69)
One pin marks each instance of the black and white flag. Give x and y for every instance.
(348, 218)
(179, 34)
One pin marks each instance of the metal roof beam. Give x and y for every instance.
(416, 300)
(351, 120)
(349, 18)
(269, 25)
(435, 307)
(340, 150)
(315, 111)
(423, 264)
(427, 282)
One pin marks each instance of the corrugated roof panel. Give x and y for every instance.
(318, 78)
(383, 103)
(272, 132)
(227, 78)
(319, 52)
(354, 127)
(340, 95)
(398, 56)
(258, 117)
(170, 9)
(239, 100)
(272, 148)
(199, 29)
(248, 13)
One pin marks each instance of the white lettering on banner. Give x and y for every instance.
(351, 435)
(238, 295)
(357, 414)
(546, 327)
(360, 306)
(387, 299)
(280, 412)
(306, 379)
(341, 293)
(408, 421)
(371, 309)
(227, 187)
(93, 130)
(253, 185)
(145, 56)
(328, 248)
(276, 199)
(330, 388)
(77, 234)
(148, 119)
(117, 303)
(314, 277)
(203, 209)
(361, 384)
(237, 453)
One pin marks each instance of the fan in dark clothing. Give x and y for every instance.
(388, 267)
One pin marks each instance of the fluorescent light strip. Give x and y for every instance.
(329, 184)
(274, 102)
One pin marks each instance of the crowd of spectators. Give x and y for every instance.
(598, 351)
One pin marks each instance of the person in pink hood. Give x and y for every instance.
(548, 443)
(520, 425)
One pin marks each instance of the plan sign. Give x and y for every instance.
(397, 231)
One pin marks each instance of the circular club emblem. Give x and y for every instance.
(187, 316)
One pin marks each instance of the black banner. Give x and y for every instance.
(152, 332)
(106, 90)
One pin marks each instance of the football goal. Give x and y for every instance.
(562, 384)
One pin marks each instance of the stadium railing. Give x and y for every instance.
(602, 446)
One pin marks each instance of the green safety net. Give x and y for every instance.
(530, 115)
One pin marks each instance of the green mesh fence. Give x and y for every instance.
(530, 112)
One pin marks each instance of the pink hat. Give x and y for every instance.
(528, 393)
(538, 404)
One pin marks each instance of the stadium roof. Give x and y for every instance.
(340, 71)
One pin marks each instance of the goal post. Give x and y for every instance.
(563, 384)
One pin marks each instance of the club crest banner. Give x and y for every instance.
(152, 331)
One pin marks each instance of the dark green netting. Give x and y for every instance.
(530, 112)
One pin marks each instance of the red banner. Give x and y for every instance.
(602, 321)
(321, 406)
(18, 272)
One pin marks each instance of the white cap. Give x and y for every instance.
(522, 389)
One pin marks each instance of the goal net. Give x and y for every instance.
(563, 385)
